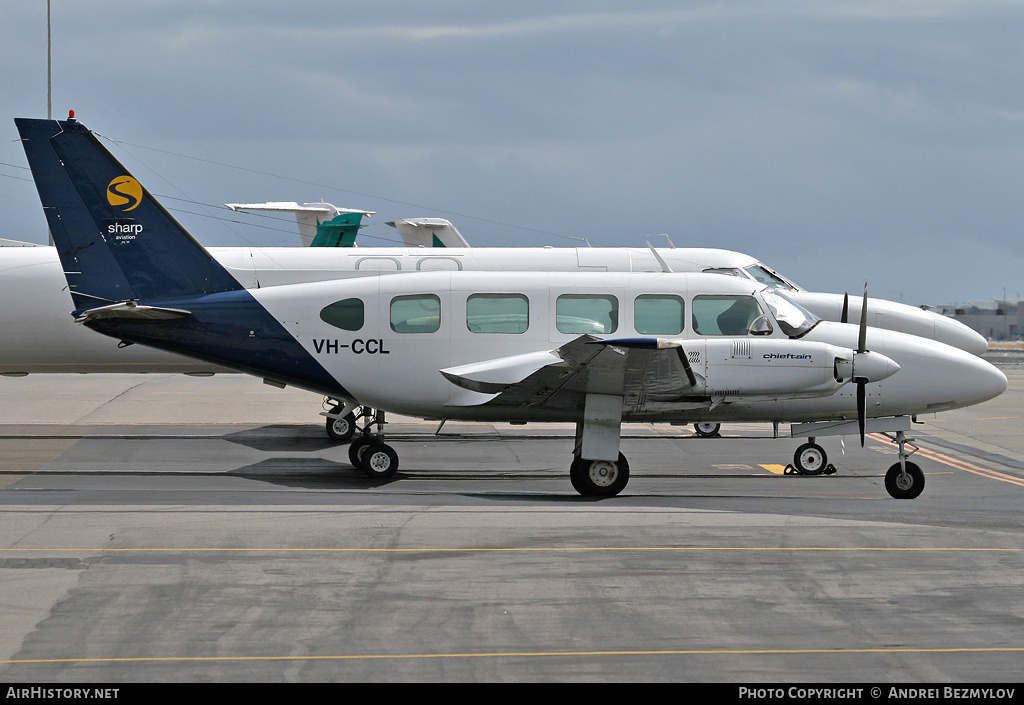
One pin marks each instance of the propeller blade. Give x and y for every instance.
(861, 408)
(845, 318)
(862, 340)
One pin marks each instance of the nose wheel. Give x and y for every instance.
(904, 482)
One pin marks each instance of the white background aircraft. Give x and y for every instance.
(596, 348)
(40, 337)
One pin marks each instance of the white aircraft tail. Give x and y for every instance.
(310, 216)
(428, 232)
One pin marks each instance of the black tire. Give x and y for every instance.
(810, 459)
(599, 478)
(342, 429)
(574, 476)
(357, 448)
(379, 461)
(907, 486)
(707, 429)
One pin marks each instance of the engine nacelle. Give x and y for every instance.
(766, 367)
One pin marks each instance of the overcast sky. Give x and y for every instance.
(835, 141)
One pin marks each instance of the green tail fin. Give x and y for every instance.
(339, 231)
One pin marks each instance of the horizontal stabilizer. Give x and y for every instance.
(428, 232)
(17, 243)
(310, 218)
(129, 310)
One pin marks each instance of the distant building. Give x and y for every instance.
(996, 319)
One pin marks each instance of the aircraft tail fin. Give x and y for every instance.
(429, 232)
(311, 217)
(115, 241)
(339, 231)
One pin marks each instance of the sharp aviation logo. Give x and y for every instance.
(124, 191)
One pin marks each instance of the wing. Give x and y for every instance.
(644, 371)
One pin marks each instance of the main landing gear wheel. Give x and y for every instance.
(599, 478)
(906, 485)
(707, 429)
(379, 461)
(358, 447)
(341, 429)
(810, 459)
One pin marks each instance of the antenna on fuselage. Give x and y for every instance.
(663, 263)
(665, 235)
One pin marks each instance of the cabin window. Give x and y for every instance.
(498, 313)
(586, 313)
(419, 313)
(724, 314)
(658, 314)
(347, 314)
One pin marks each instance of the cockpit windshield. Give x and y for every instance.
(731, 271)
(793, 319)
(767, 276)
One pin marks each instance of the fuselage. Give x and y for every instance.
(383, 341)
(41, 337)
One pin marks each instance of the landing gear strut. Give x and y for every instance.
(593, 473)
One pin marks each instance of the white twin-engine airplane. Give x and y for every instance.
(594, 348)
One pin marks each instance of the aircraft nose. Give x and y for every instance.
(958, 335)
(983, 380)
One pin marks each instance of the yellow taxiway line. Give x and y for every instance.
(536, 654)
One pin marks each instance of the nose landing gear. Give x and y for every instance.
(904, 480)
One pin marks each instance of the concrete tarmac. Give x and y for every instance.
(166, 528)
